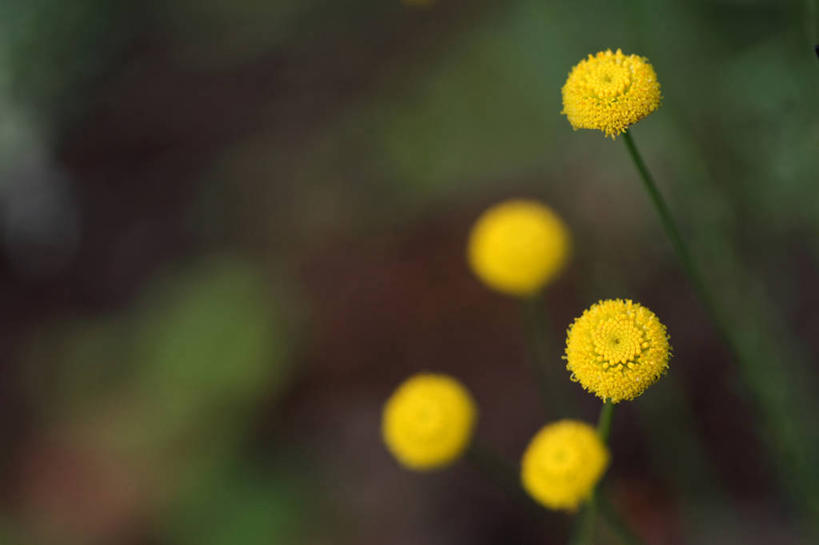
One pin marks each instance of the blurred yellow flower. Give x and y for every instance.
(610, 91)
(563, 463)
(518, 246)
(428, 421)
(617, 349)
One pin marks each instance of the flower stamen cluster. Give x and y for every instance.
(428, 421)
(610, 92)
(563, 463)
(617, 349)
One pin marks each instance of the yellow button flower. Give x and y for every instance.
(617, 349)
(610, 92)
(428, 421)
(518, 246)
(563, 463)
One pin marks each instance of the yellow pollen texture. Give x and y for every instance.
(563, 463)
(617, 349)
(610, 92)
(428, 421)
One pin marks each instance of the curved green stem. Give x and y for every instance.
(543, 358)
(680, 247)
(778, 412)
(604, 421)
(504, 474)
(584, 533)
(666, 219)
(535, 330)
(617, 524)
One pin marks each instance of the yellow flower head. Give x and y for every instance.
(610, 92)
(428, 421)
(563, 463)
(617, 349)
(518, 246)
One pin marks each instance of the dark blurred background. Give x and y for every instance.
(230, 228)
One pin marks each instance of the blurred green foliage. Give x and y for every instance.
(52, 51)
(209, 338)
(204, 339)
(205, 34)
(238, 507)
(173, 384)
(470, 115)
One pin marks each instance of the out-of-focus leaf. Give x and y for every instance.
(74, 363)
(209, 338)
(238, 508)
(55, 48)
(215, 32)
(484, 107)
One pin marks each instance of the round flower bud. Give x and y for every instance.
(610, 92)
(518, 246)
(563, 463)
(617, 349)
(428, 421)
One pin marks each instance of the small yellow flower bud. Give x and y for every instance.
(428, 421)
(518, 246)
(563, 463)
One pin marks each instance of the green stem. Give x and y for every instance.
(617, 524)
(584, 533)
(535, 330)
(504, 474)
(681, 249)
(604, 421)
(777, 411)
(665, 215)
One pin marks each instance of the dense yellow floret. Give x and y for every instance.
(563, 463)
(610, 92)
(617, 349)
(428, 421)
(518, 246)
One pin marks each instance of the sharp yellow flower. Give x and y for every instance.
(518, 246)
(428, 421)
(610, 92)
(617, 349)
(563, 463)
